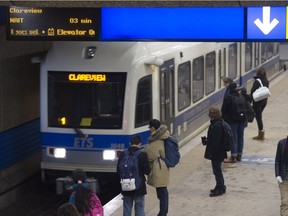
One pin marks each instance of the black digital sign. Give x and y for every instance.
(53, 23)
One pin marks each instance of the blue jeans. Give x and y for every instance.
(163, 196)
(139, 205)
(238, 135)
(217, 171)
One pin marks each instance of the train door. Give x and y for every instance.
(221, 72)
(167, 94)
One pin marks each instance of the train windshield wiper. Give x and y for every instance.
(80, 133)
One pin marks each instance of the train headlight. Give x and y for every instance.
(57, 152)
(109, 155)
(60, 153)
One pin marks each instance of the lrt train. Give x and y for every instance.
(95, 95)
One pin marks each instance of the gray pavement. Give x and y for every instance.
(251, 185)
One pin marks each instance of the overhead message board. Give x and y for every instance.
(149, 24)
(53, 23)
(201, 23)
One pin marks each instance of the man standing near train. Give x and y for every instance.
(215, 149)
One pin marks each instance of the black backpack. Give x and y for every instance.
(228, 136)
(238, 108)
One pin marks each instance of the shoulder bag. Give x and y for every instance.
(261, 93)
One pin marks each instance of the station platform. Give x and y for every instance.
(252, 188)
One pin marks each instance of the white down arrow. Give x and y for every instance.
(266, 26)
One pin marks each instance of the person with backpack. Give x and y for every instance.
(142, 168)
(260, 105)
(159, 176)
(215, 149)
(234, 113)
(85, 200)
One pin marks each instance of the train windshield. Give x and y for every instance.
(86, 100)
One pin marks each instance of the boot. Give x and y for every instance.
(239, 158)
(230, 160)
(260, 135)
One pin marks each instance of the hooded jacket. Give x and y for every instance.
(159, 176)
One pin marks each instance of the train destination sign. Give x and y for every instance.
(53, 23)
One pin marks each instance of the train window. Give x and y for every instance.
(256, 55)
(248, 56)
(210, 69)
(198, 78)
(232, 61)
(270, 49)
(184, 85)
(86, 100)
(275, 49)
(263, 52)
(143, 101)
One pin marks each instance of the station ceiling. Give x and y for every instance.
(145, 3)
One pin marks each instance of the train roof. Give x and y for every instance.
(108, 55)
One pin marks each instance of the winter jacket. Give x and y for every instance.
(97, 210)
(143, 168)
(257, 85)
(215, 148)
(229, 109)
(281, 163)
(159, 176)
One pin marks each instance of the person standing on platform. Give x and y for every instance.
(137, 196)
(234, 113)
(159, 176)
(215, 149)
(227, 81)
(281, 173)
(260, 105)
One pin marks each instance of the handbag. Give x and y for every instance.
(128, 184)
(250, 112)
(261, 93)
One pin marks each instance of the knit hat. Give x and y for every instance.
(154, 123)
(233, 86)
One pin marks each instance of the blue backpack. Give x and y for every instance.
(129, 173)
(172, 154)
